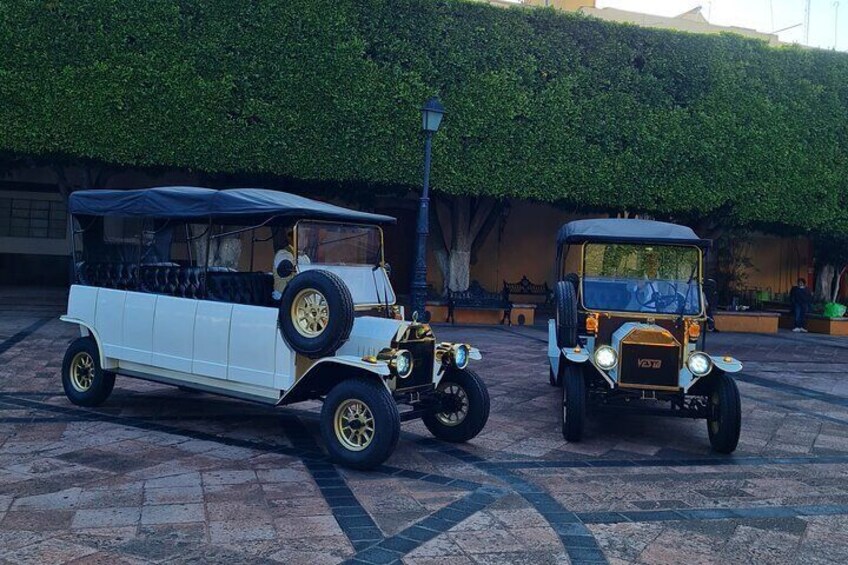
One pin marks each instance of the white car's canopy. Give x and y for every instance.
(239, 205)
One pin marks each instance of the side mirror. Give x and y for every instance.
(388, 268)
(285, 269)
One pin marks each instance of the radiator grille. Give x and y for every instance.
(649, 365)
(423, 355)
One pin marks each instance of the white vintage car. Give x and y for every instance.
(166, 290)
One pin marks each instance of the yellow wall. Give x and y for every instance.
(527, 246)
(777, 262)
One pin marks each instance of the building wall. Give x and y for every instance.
(526, 245)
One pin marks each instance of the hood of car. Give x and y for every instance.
(371, 334)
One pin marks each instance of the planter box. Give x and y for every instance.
(747, 322)
(817, 324)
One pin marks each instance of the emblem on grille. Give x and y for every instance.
(650, 363)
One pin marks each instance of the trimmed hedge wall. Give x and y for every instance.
(543, 105)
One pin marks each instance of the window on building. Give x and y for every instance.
(24, 217)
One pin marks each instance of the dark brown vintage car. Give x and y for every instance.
(628, 333)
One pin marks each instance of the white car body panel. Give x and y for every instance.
(109, 320)
(212, 339)
(139, 312)
(253, 341)
(173, 333)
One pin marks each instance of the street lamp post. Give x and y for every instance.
(431, 115)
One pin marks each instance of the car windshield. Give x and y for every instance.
(652, 279)
(339, 244)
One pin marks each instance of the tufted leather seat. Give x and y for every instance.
(224, 285)
(241, 288)
(122, 276)
(183, 282)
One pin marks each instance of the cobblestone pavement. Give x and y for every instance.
(161, 475)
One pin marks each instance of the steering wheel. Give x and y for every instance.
(656, 300)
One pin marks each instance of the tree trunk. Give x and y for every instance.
(462, 224)
(824, 282)
(838, 283)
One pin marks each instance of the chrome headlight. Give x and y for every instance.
(399, 361)
(699, 364)
(606, 357)
(402, 363)
(460, 356)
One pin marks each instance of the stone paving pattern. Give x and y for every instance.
(161, 475)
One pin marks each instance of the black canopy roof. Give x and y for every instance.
(189, 202)
(624, 230)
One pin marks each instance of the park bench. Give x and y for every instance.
(540, 296)
(476, 298)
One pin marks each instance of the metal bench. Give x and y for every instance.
(477, 298)
(525, 287)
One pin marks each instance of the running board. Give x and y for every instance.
(212, 389)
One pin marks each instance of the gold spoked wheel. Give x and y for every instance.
(457, 398)
(310, 313)
(82, 371)
(354, 424)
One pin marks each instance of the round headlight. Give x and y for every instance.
(606, 357)
(460, 356)
(402, 363)
(699, 363)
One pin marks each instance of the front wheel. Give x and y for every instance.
(464, 405)
(360, 423)
(84, 380)
(573, 402)
(725, 421)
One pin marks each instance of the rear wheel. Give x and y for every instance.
(573, 402)
(725, 421)
(566, 314)
(360, 423)
(464, 400)
(84, 380)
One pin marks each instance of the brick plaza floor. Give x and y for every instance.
(161, 475)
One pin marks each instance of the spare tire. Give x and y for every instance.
(316, 313)
(565, 295)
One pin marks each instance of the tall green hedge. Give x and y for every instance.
(543, 105)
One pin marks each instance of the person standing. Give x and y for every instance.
(283, 241)
(800, 299)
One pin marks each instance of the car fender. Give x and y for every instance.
(580, 356)
(378, 370)
(87, 329)
(726, 363)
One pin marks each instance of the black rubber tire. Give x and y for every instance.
(573, 402)
(102, 383)
(573, 278)
(386, 423)
(725, 429)
(565, 294)
(478, 408)
(340, 306)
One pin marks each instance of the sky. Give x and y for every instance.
(828, 18)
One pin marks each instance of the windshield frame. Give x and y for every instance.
(382, 251)
(699, 278)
